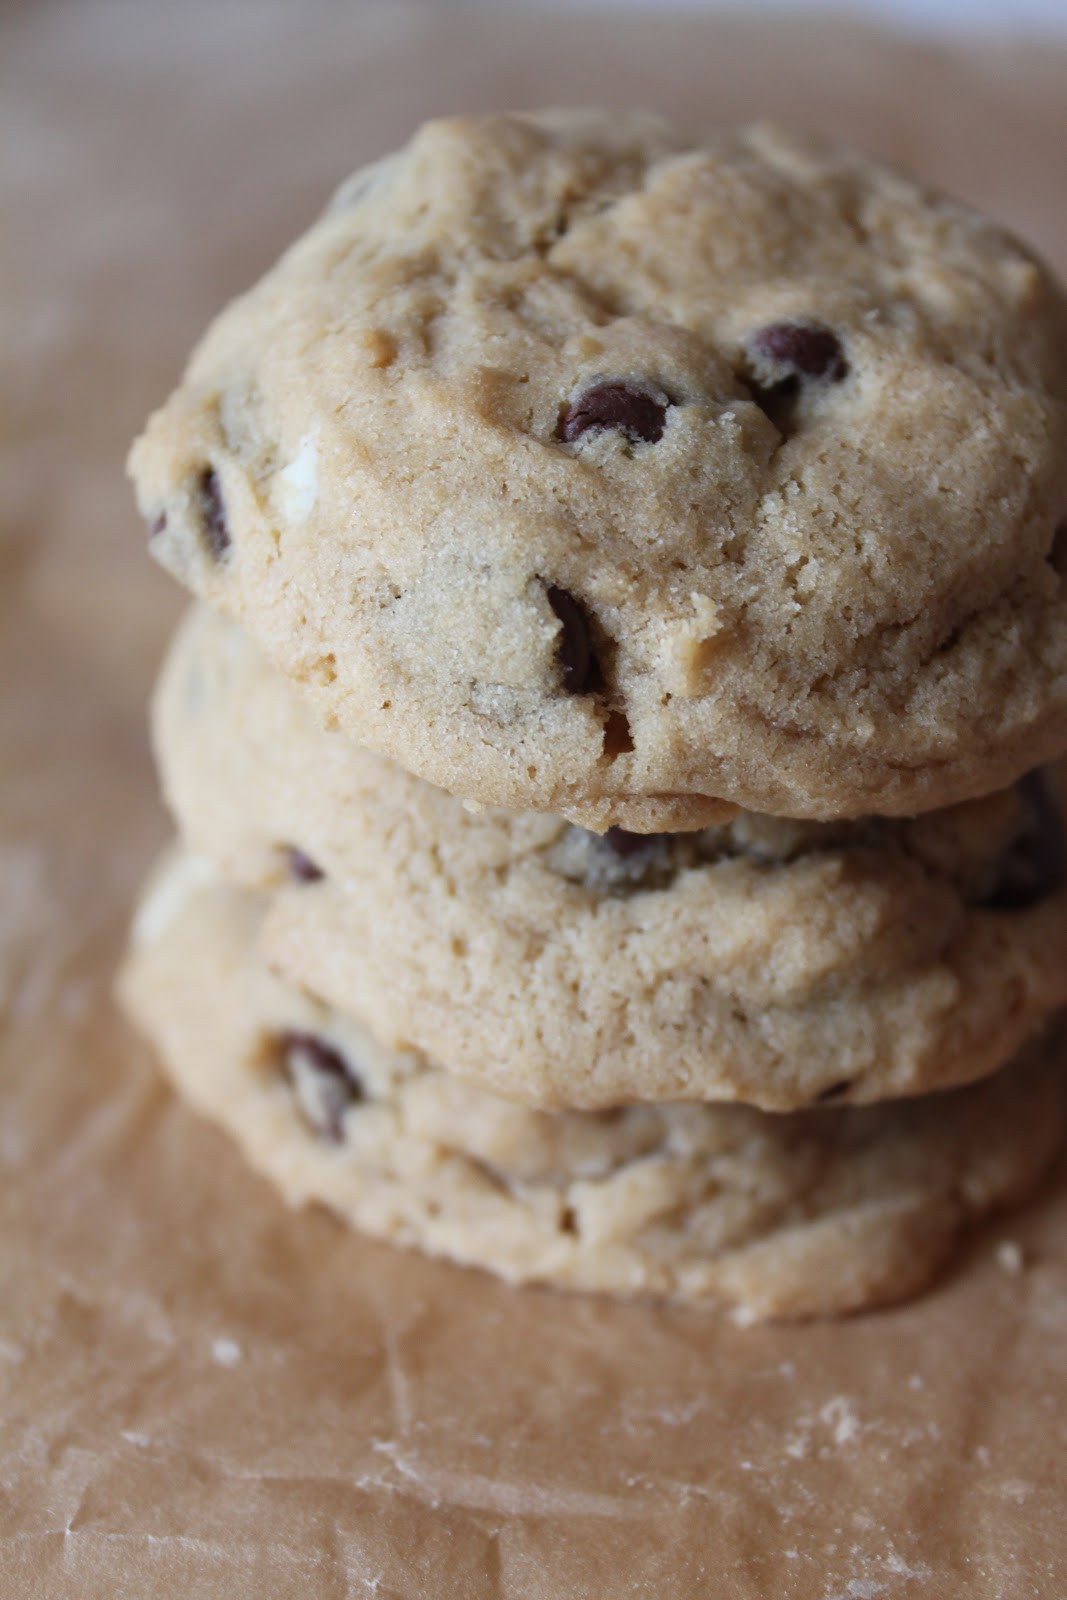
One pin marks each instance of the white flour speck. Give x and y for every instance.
(227, 1352)
(1010, 1257)
(840, 1417)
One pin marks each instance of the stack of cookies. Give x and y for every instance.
(617, 746)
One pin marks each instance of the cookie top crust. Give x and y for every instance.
(776, 962)
(583, 466)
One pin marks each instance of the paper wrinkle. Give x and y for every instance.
(35, 937)
(399, 1390)
(475, 1492)
(103, 1132)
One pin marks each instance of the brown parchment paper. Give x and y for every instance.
(201, 1394)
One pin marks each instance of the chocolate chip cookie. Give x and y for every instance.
(780, 963)
(584, 466)
(825, 1211)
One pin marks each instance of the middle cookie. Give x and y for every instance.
(779, 963)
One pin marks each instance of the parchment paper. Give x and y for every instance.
(201, 1394)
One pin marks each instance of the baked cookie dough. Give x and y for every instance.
(825, 1211)
(581, 466)
(774, 962)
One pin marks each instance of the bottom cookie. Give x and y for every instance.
(797, 1215)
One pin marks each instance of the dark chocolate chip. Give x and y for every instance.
(636, 861)
(1058, 553)
(1036, 864)
(301, 867)
(322, 1081)
(800, 349)
(624, 844)
(619, 862)
(834, 1092)
(574, 650)
(157, 524)
(634, 412)
(213, 513)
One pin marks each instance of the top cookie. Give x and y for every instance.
(581, 466)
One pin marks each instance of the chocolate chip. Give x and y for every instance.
(632, 862)
(625, 844)
(619, 862)
(322, 1081)
(157, 525)
(784, 359)
(301, 867)
(634, 412)
(1058, 553)
(800, 349)
(574, 651)
(1036, 864)
(213, 513)
(834, 1092)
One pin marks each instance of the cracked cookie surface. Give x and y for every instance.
(581, 466)
(777, 962)
(827, 1211)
